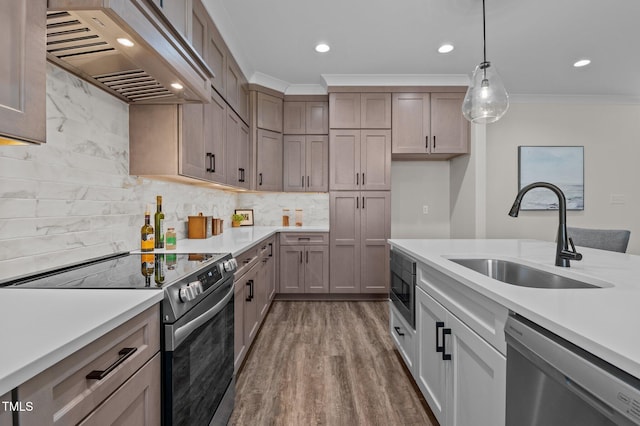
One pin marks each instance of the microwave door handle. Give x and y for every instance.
(181, 333)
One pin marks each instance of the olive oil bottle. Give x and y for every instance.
(146, 233)
(159, 224)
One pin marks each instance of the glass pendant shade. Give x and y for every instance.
(486, 100)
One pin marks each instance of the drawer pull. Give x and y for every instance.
(397, 329)
(101, 374)
(304, 238)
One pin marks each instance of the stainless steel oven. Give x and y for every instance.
(552, 382)
(403, 285)
(198, 362)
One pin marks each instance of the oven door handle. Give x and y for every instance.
(181, 333)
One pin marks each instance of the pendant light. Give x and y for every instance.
(486, 100)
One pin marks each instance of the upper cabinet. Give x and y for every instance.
(269, 112)
(198, 28)
(269, 161)
(306, 118)
(216, 57)
(177, 13)
(429, 125)
(22, 72)
(360, 110)
(237, 89)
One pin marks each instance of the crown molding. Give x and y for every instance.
(396, 79)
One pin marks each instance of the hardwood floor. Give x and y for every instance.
(327, 363)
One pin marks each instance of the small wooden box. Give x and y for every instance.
(199, 227)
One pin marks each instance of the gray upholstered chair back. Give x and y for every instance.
(604, 239)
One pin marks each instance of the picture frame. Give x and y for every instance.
(248, 216)
(562, 166)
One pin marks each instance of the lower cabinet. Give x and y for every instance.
(6, 416)
(129, 394)
(304, 263)
(403, 336)
(462, 377)
(360, 226)
(254, 289)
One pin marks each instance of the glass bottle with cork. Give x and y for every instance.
(146, 232)
(159, 224)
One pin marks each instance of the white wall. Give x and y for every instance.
(611, 137)
(413, 185)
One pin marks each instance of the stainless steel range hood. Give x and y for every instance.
(82, 37)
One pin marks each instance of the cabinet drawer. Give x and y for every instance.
(305, 238)
(481, 314)
(137, 402)
(62, 394)
(403, 336)
(267, 248)
(246, 260)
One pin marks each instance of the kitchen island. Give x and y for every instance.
(602, 320)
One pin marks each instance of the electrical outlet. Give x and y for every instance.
(425, 209)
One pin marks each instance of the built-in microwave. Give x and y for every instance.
(403, 285)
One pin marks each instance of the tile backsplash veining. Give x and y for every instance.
(73, 199)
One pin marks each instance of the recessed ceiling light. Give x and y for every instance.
(322, 48)
(177, 86)
(582, 63)
(125, 42)
(445, 48)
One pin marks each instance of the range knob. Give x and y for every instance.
(230, 265)
(190, 291)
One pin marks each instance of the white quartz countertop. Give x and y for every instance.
(236, 240)
(43, 326)
(603, 321)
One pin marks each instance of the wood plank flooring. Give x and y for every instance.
(327, 363)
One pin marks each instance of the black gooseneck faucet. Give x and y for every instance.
(563, 254)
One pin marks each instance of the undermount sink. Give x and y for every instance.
(520, 275)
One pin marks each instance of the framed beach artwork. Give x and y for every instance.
(562, 166)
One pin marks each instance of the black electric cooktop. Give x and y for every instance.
(124, 270)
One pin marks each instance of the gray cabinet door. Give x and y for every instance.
(449, 128)
(375, 214)
(215, 114)
(317, 118)
(176, 12)
(269, 161)
(6, 416)
(293, 167)
(375, 110)
(317, 163)
(344, 160)
(294, 118)
(344, 237)
(375, 163)
(240, 293)
(237, 155)
(192, 151)
(291, 269)
(316, 272)
(269, 111)
(198, 27)
(216, 57)
(411, 123)
(344, 110)
(249, 280)
(244, 156)
(23, 71)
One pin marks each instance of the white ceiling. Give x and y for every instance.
(533, 44)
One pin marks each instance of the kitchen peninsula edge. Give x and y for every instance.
(599, 320)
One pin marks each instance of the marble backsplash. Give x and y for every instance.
(73, 198)
(267, 207)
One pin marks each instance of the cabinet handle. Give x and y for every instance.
(445, 355)
(241, 179)
(363, 179)
(260, 179)
(124, 353)
(250, 296)
(308, 182)
(357, 202)
(213, 163)
(303, 181)
(434, 141)
(398, 331)
(300, 257)
(307, 256)
(439, 348)
(363, 202)
(209, 158)
(357, 179)
(426, 142)
(270, 249)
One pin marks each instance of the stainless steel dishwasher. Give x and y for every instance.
(552, 382)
